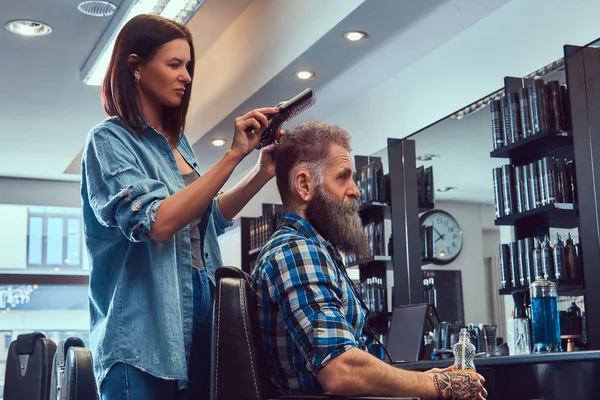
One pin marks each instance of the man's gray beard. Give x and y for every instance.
(339, 223)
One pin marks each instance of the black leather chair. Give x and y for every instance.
(29, 367)
(240, 369)
(71, 373)
(58, 364)
(78, 381)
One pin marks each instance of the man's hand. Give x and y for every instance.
(460, 385)
(439, 370)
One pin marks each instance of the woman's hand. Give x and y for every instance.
(244, 142)
(266, 160)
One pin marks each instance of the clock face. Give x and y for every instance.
(447, 236)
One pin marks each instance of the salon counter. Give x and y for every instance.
(550, 376)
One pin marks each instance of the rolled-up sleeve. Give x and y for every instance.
(120, 193)
(221, 223)
(305, 286)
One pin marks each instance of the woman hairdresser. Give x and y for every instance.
(151, 221)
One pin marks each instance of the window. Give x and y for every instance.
(54, 237)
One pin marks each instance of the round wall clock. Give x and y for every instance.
(447, 235)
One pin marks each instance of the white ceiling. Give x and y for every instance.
(247, 52)
(422, 60)
(45, 109)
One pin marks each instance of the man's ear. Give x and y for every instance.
(303, 184)
(134, 65)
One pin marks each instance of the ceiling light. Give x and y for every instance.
(218, 142)
(304, 74)
(97, 8)
(355, 36)
(28, 28)
(446, 188)
(427, 157)
(182, 11)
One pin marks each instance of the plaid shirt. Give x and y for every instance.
(309, 312)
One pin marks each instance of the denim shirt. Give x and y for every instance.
(141, 300)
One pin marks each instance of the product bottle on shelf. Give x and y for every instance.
(381, 303)
(537, 261)
(464, 353)
(535, 186)
(426, 290)
(505, 281)
(510, 333)
(526, 126)
(571, 260)
(545, 318)
(529, 267)
(521, 333)
(547, 265)
(432, 292)
(558, 254)
(497, 124)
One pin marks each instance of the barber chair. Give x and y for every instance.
(72, 371)
(28, 367)
(239, 365)
(78, 381)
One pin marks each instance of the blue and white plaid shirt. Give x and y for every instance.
(308, 310)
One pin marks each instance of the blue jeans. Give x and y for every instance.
(125, 382)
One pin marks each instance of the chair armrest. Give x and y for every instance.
(328, 397)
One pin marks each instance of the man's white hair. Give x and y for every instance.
(316, 169)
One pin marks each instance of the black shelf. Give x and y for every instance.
(375, 259)
(372, 205)
(255, 251)
(564, 289)
(556, 215)
(374, 210)
(535, 147)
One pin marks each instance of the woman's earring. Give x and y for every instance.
(137, 79)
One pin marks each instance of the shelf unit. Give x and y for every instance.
(537, 222)
(581, 66)
(541, 144)
(378, 265)
(271, 214)
(564, 289)
(557, 215)
(581, 144)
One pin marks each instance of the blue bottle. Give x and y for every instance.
(545, 320)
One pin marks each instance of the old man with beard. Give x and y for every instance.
(311, 318)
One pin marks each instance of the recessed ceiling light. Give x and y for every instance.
(355, 36)
(218, 142)
(446, 188)
(427, 157)
(28, 28)
(97, 8)
(304, 74)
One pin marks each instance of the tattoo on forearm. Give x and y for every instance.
(455, 386)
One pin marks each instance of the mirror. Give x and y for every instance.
(458, 150)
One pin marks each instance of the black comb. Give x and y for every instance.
(287, 110)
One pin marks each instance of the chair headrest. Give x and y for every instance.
(26, 342)
(231, 272)
(63, 348)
